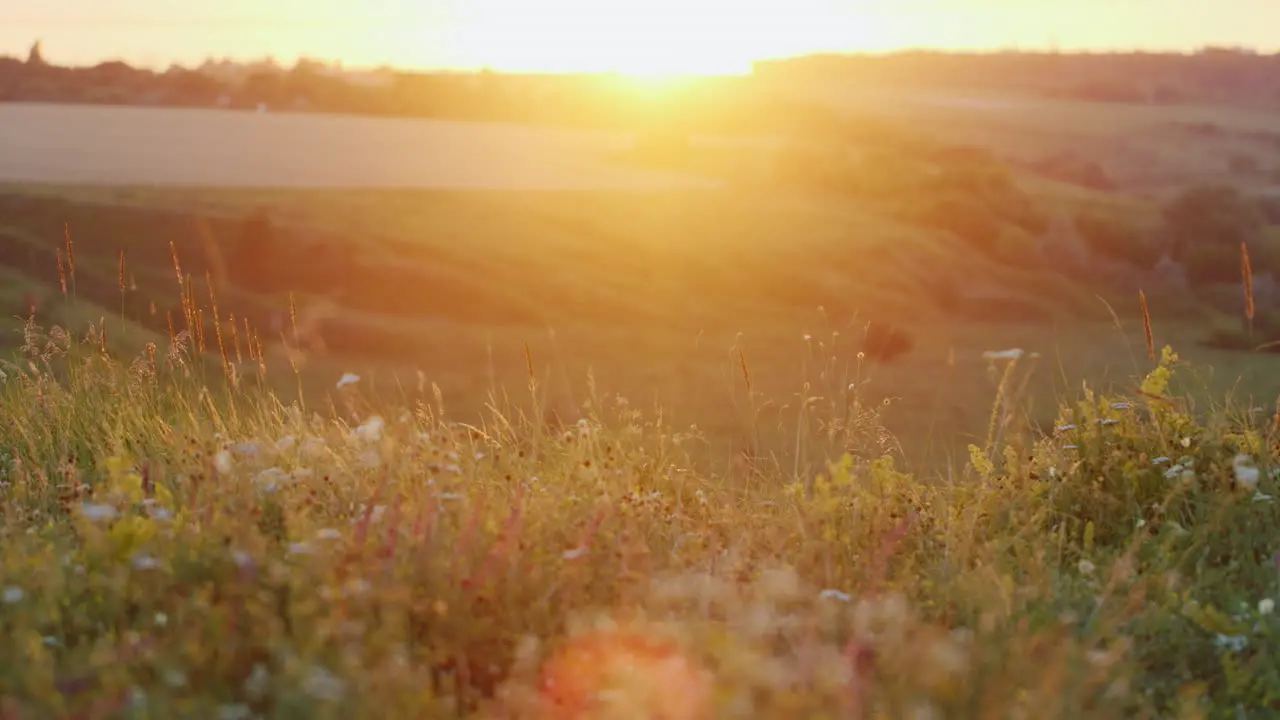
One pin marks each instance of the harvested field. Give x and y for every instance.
(63, 144)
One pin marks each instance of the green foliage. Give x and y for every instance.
(1207, 225)
(1118, 239)
(177, 545)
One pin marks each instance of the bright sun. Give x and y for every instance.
(652, 41)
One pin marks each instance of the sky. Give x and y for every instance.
(632, 36)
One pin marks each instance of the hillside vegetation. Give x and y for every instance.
(180, 541)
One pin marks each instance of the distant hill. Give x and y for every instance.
(1211, 75)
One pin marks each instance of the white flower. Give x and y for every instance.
(1173, 472)
(255, 686)
(1121, 406)
(1109, 421)
(323, 685)
(1246, 473)
(270, 479)
(312, 447)
(161, 619)
(12, 594)
(328, 534)
(247, 449)
(1234, 643)
(1266, 606)
(146, 562)
(1160, 460)
(98, 513)
(1186, 442)
(222, 462)
(574, 554)
(1261, 497)
(1064, 428)
(832, 594)
(348, 379)
(1010, 354)
(286, 443)
(370, 460)
(1085, 567)
(234, 712)
(370, 431)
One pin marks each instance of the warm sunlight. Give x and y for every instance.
(652, 40)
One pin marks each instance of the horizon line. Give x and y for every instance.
(1007, 50)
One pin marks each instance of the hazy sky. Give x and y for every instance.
(600, 35)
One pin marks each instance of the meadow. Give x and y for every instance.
(464, 447)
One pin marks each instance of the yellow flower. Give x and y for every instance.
(124, 481)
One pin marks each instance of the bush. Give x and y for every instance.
(1118, 239)
(1207, 226)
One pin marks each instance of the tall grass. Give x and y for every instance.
(180, 541)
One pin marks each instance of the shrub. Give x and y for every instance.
(1207, 225)
(1118, 239)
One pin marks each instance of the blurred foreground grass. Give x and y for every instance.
(181, 542)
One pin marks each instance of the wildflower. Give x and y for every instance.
(270, 479)
(1234, 643)
(574, 554)
(161, 619)
(328, 534)
(222, 462)
(347, 379)
(1246, 473)
(146, 562)
(370, 431)
(286, 443)
(312, 447)
(12, 594)
(1065, 428)
(1109, 421)
(242, 559)
(255, 686)
(1266, 606)
(236, 711)
(1186, 442)
(1086, 567)
(1160, 460)
(1261, 497)
(832, 594)
(98, 513)
(323, 685)
(1173, 472)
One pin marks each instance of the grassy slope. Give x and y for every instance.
(654, 293)
(173, 547)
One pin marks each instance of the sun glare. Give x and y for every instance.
(650, 41)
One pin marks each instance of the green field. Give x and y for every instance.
(659, 406)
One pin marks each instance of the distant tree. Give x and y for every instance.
(36, 56)
(1206, 226)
